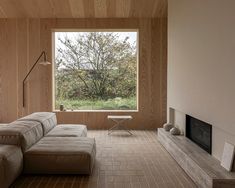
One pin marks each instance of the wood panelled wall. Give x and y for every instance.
(22, 40)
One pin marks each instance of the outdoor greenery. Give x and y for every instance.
(110, 104)
(95, 71)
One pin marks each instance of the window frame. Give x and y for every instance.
(53, 31)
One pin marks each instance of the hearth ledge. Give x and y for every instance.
(203, 168)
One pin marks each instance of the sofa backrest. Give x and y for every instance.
(21, 133)
(47, 119)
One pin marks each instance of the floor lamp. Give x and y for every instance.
(44, 62)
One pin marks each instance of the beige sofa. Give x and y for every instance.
(11, 164)
(35, 144)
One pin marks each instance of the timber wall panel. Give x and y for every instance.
(34, 51)
(22, 41)
(9, 66)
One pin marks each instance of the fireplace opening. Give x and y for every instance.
(199, 132)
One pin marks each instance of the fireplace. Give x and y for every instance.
(199, 132)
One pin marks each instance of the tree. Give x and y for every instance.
(95, 65)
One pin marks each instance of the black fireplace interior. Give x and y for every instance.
(199, 132)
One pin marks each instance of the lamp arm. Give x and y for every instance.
(42, 54)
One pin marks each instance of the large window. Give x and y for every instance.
(96, 70)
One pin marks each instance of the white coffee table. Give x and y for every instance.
(118, 120)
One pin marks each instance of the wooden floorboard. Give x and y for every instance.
(122, 161)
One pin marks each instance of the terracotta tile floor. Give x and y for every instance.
(122, 161)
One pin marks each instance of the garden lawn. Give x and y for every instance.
(110, 104)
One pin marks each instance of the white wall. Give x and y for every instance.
(201, 64)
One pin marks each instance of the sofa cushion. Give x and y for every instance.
(21, 133)
(47, 119)
(61, 155)
(68, 130)
(11, 164)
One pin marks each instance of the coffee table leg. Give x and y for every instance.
(112, 128)
(126, 129)
(118, 124)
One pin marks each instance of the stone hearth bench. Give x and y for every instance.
(203, 168)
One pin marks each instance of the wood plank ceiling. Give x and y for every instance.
(83, 8)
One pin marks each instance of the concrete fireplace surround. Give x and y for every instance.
(203, 168)
(178, 118)
(200, 67)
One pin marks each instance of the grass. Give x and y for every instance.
(110, 104)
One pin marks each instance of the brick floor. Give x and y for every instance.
(122, 161)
